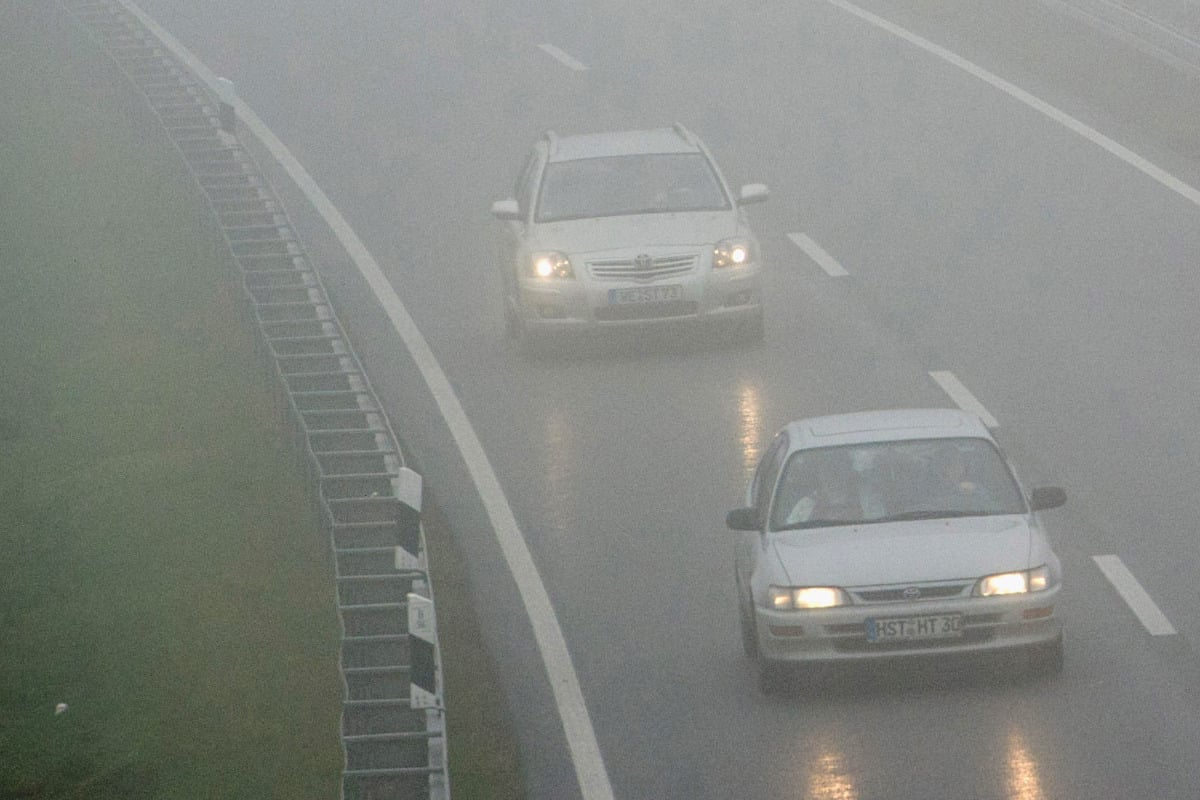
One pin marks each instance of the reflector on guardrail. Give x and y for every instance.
(422, 631)
(409, 554)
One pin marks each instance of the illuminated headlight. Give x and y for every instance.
(1033, 580)
(551, 265)
(787, 598)
(731, 253)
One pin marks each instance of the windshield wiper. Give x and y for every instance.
(929, 514)
(821, 523)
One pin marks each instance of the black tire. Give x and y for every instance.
(772, 676)
(751, 332)
(749, 631)
(512, 323)
(1047, 659)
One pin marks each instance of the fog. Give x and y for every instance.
(1034, 236)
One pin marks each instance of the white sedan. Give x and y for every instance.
(891, 534)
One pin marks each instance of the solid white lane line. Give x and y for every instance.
(818, 254)
(963, 397)
(1062, 118)
(577, 724)
(562, 57)
(1152, 619)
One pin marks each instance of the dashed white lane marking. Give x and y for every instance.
(562, 57)
(818, 254)
(577, 724)
(1152, 619)
(1062, 118)
(963, 397)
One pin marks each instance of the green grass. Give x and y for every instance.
(164, 572)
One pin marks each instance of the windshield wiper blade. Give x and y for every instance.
(928, 514)
(821, 523)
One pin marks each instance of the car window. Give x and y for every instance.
(916, 479)
(525, 181)
(637, 184)
(767, 472)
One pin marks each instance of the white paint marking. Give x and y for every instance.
(562, 57)
(1066, 120)
(577, 724)
(818, 254)
(1152, 619)
(963, 397)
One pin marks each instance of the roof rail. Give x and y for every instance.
(551, 139)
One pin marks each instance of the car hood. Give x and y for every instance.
(637, 232)
(907, 552)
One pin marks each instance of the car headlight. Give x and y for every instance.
(551, 264)
(731, 253)
(1030, 580)
(786, 598)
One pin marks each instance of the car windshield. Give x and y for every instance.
(637, 184)
(891, 481)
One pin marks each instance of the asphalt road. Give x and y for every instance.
(1052, 274)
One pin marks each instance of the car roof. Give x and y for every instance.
(884, 426)
(623, 143)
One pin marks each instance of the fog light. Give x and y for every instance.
(786, 630)
(1037, 613)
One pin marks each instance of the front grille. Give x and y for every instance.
(635, 311)
(895, 594)
(624, 269)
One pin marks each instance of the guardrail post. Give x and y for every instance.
(409, 554)
(422, 630)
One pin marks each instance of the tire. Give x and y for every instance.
(512, 323)
(772, 676)
(749, 632)
(531, 346)
(1047, 659)
(751, 332)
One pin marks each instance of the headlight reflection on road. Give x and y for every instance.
(749, 426)
(558, 453)
(829, 779)
(1021, 767)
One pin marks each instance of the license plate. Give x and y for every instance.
(934, 626)
(645, 294)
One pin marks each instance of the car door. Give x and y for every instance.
(759, 498)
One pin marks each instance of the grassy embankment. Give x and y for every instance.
(163, 571)
(163, 574)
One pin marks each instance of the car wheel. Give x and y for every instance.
(772, 676)
(752, 331)
(531, 346)
(1047, 659)
(512, 323)
(749, 632)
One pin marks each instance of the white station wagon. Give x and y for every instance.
(629, 229)
(893, 534)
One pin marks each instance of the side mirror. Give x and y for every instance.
(742, 519)
(1045, 497)
(753, 193)
(506, 209)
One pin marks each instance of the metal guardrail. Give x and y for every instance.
(393, 724)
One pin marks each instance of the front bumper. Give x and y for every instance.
(840, 634)
(547, 308)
